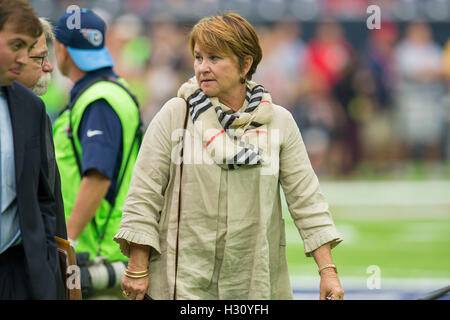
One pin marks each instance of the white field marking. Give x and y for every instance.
(308, 269)
(382, 193)
(416, 232)
(386, 199)
(412, 232)
(391, 213)
(426, 284)
(423, 232)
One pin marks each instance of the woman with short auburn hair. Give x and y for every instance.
(203, 218)
(230, 34)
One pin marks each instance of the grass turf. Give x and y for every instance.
(405, 231)
(417, 248)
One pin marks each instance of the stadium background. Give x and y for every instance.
(372, 105)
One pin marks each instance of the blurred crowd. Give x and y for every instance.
(381, 103)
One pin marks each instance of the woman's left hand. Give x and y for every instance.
(330, 286)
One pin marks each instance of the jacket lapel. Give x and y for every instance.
(16, 112)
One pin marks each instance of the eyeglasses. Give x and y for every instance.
(40, 60)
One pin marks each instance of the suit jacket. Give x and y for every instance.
(55, 183)
(61, 229)
(36, 200)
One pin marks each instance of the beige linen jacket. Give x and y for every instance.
(231, 231)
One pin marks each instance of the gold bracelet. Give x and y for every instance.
(328, 266)
(136, 276)
(136, 273)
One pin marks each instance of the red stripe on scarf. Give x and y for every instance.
(256, 131)
(215, 136)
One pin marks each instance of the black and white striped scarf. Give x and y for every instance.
(236, 152)
(199, 102)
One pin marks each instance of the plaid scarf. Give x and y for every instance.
(229, 136)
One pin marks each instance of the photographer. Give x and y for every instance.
(96, 137)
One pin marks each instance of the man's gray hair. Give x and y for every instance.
(48, 30)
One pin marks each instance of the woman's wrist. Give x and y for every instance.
(137, 267)
(139, 257)
(329, 268)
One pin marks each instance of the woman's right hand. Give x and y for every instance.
(135, 288)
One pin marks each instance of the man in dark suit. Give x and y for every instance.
(27, 202)
(36, 76)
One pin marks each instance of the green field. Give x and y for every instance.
(402, 228)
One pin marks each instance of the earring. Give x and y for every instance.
(242, 80)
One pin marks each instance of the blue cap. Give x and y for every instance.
(84, 38)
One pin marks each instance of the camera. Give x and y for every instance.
(97, 274)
